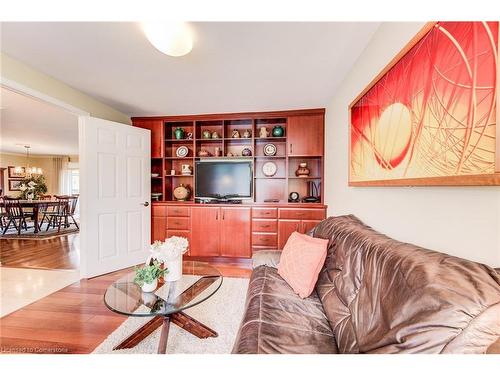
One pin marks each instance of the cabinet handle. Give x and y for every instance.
(291, 148)
(217, 215)
(223, 215)
(266, 226)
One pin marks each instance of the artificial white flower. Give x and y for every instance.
(32, 184)
(23, 187)
(169, 250)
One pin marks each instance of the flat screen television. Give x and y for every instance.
(223, 179)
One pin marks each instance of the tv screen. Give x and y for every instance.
(223, 179)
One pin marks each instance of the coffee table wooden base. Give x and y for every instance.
(180, 319)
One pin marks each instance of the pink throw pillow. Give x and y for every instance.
(301, 261)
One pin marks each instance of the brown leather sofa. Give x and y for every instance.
(374, 295)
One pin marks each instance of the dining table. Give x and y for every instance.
(35, 204)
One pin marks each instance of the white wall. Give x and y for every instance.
(24, 74)
(462, 221)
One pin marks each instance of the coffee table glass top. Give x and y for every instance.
(199, 282)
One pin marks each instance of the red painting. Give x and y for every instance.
(433, 113)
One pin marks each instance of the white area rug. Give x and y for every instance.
(222, 312)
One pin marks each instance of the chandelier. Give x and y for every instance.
(28, 170)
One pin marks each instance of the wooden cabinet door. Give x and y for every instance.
(307, 225)
(205, 231)
(156, 127)
(285, 229)
(158, 228)
(235, 232)
(305, 135)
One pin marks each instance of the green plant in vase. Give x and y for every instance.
(33, 187)
(147, 277)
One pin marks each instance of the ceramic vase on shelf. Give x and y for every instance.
(179, 133)
(302, 171)
(278, 131)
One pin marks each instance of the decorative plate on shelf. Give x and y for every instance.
(182, 193)
(182, 152)
(270, 149)
(269, 169)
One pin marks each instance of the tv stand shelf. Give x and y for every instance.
(301, 142)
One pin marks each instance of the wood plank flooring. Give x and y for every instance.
(74, 319)
(56, 253)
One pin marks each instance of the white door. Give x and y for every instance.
(115, 190)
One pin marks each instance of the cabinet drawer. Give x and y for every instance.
(306, 213)
(265, 226)
(256, 249)
(177, 211)
(159, 210)
(264, 239)
(178, 223)
(269, 213)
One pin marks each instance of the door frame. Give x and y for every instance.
(80, 114)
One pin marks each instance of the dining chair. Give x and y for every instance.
(3, 214)
(72, 208)
(15, 212)
(60, 214)
(44, 209)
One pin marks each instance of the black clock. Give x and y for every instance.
(293, 197)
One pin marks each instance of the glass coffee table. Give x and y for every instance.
(166, 304)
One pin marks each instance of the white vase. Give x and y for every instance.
(174, 267)
(148, 288)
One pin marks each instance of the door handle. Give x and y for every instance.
(145, 204)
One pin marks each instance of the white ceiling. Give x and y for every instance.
(233, 66)
(46, 128)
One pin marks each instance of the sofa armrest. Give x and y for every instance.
(269, 258)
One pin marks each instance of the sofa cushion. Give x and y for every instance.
(302, 258)
(276, 320)
(384, 296)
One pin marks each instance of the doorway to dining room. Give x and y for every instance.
(39, 199)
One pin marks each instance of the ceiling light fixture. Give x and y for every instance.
(169, 37)
(28, 171)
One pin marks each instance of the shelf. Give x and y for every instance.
(185, 140)
(270, 178)
(270, 157)
(158, 177)
(282, 139)
(238, 139)
(209, 139)
(179, 158)
(225, 157)
(178, 175)
(304, 178)
(304, 157)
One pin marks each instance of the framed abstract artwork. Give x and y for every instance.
(429, 118)
(14, 174)
(15, 185)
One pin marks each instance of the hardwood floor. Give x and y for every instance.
(56, 253)
(74, 319)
